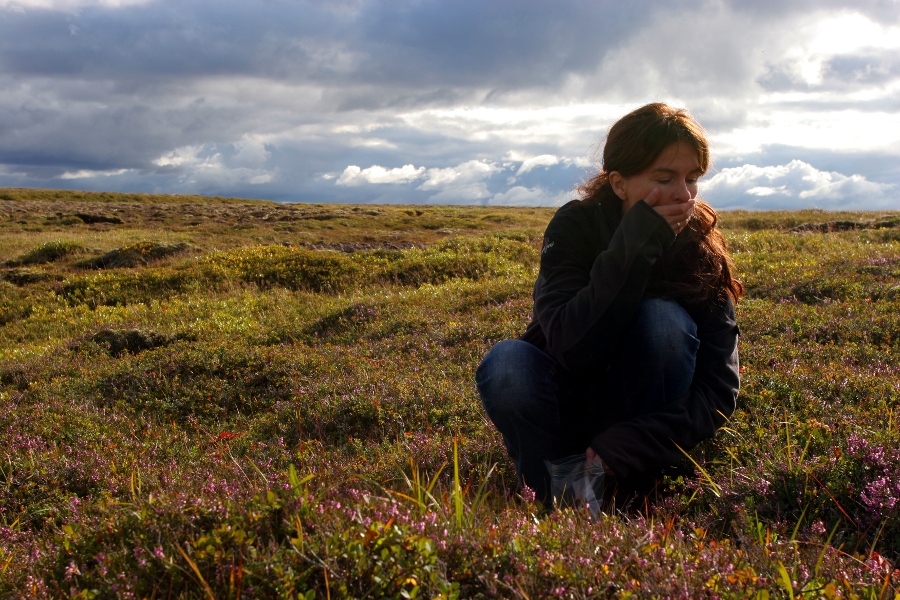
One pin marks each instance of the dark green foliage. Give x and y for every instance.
(14, 304)
(117, 341)
(22, 277)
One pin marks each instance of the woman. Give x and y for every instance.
(631, 356)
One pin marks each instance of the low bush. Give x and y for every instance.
(47, 252)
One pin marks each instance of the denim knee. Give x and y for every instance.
(511, 374)
(665, 328)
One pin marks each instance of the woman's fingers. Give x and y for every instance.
(676, 215)
(653, 197)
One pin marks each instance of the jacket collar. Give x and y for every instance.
(612, 210)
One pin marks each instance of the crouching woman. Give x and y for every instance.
(632, 352)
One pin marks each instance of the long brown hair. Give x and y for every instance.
(697, 267)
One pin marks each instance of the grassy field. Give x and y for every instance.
(216, 398)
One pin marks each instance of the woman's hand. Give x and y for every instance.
(591, 455)
(676, 213)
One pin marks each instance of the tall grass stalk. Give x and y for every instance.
(458, 507)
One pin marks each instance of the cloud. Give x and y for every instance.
(869, 70)
(464, 182)
(87, 174)
(276, 99)
(796, 185)
(200, 168)
(353, 175)
(66, 5)
(544, 160)
(523, 196)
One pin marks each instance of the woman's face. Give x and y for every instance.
(675, 172)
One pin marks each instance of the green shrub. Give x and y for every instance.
(120, 289)
(49, 252)
(291, 267)
(14, 304)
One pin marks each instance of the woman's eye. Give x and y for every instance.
(663, 180)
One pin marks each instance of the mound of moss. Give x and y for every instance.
(133, 341)
(135, 255)
(47, 252)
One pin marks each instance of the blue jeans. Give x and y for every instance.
(545, 412)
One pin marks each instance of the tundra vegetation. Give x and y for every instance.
(215, 398)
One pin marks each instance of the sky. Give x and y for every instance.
(445, 101)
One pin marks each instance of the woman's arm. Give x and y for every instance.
(583, 306)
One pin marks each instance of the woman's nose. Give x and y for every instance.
(683, 192)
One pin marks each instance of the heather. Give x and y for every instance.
(235, 399)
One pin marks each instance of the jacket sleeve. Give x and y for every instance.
(582, 306)
(648, 442)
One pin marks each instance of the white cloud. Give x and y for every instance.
(765, 191)
(850, 129)
(464, 173)
(260, 179)
(567, 128)
(464, 182)
(353, 175)
(549, 160)
(184, 156)
(250, 153)
(521, 196)
(544, 160)
(805, 67)
(851, 31)
(796, 185)
(86, 173)
(202, 166)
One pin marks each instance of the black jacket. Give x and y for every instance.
(595, 265)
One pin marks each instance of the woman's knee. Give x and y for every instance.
(663, 327)
(512, 373)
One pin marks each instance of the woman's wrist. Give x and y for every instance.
(592, 456)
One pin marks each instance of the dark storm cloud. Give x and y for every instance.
(85, 135)
(494, 44)
(410, 43)
(115, 88)
(142, 44)
(839, 73)
(868, 69)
